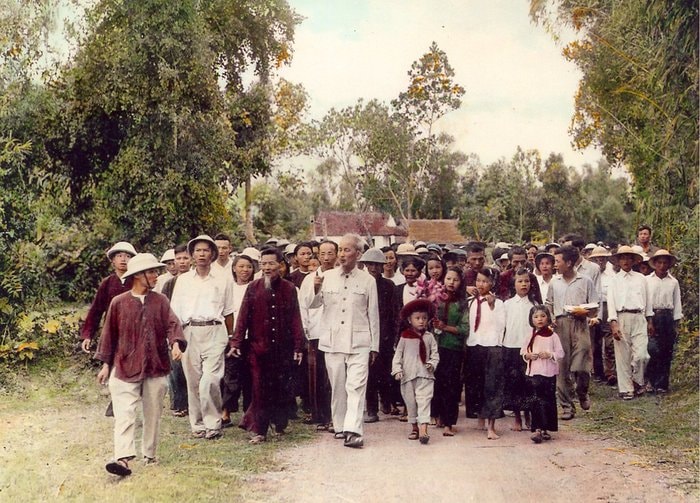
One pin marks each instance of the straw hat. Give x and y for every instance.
(289, 249)
(208, 239)
(374, 255)
(141, 262)
(663, 253)
(599, 251)
(626, 250)
(251, 253)
(121, 247)
(168, 255)
(406, 249)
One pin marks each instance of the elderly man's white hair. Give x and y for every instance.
(357, 241)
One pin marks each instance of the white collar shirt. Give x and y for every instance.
(492, 323)
(628, 292)
(518, 329)
(208, 298)
(665, 293)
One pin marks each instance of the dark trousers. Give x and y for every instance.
(271, 379)
(603, 347)
(660, 348)
(379, 384)
(542, 402)
(178, 386)
(231, 383)
(484, 386)
(448, 386)
(319, 386)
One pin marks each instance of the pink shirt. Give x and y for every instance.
(542, 367)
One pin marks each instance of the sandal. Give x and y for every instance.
(546, 436)
(257, 439)
(119, 467)
(413, 435)
(424, 439)
(180, 413)
(322, 427)
(448, 432)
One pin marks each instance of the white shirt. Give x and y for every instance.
(238, 294)
(350, 319)
(628, 291)
(161, 281)
(228, 266)
(208, 298)
(409, 293)
(605, 279)
(491, 324)
(310, 318)
(665, 293)
(397, 278)
(518, 329)
(544, 285)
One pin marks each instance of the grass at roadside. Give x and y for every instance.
(663, 428)
(55, 441)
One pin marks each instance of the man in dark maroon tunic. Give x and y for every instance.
(270, 314)
(111, 286)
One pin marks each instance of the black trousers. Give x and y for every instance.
(542, 402)
(660, 348)
(448, 386)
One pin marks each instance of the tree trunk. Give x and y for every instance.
(248, 215)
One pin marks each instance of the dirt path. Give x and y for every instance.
(467, 467)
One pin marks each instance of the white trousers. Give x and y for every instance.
(417, 395)
(203, 364)
(125, 398)
(631, 356)
(348, 376)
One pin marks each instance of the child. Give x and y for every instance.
(541, 351)
(665, 295)
(484, 367)
(414, 364)
(517, 310)
(452, 322)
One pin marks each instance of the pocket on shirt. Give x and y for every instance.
(360, 339)
(359, 297)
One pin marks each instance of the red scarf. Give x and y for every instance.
(409, 333)
(478, 301)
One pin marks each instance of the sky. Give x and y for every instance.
(519, 88)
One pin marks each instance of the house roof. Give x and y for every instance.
(337, 223)
(435, 231)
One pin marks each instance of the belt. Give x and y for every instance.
(633, 311)
(202, 323)
(663, 310)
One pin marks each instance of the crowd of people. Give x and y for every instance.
(333, 333)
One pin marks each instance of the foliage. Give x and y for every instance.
(638, 100)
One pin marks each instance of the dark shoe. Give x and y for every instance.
(425, 439)
(585, 402)
(339, 435)
(226, 423)
(372, 419)
(612, 381)
(661, 391)
(403, 418)
(566, 415)
(149, 461)
(119, 467)
(536, 437)
(546, 436)
(353, 440)
(395, 411)
(110, 410)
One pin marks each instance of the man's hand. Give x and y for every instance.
(650, 328)
(85, 345)
(235, 352)
(615, 330)
(429, 367)
(298, 357)
(176, 353)
(398, 376)
(318, 281)
(103, 374)
(592, 322)
(471, 290)
(373, 357)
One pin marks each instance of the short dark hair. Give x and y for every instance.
(489, 273)
(386, 249)
(461, 292)
(516, 250)
(537, 308)
(438, 258)
(643, 227)
(182, 247)
(270, 250)
(414, 260)
(576, 240)
(328, 241)
(475, 248)
(222, 237)
(305, 244)
(568, 253)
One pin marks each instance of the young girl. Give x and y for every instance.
(432, 287)
(541, 352)
(452, 324)
(414, 364)
(391, 266)
(517, 310)
(484, 366)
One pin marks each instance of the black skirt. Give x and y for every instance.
(515, 389)
(484, 382)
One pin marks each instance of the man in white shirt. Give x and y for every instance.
(203, 301)
(349, 336)
(223, 262)
(665, 296)
(629, 315)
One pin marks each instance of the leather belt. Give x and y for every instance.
(202, 323)
(633, 311)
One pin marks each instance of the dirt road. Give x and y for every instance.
(467, 467)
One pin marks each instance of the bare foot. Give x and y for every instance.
(481, 424)
(491, 435)
(517, 426)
